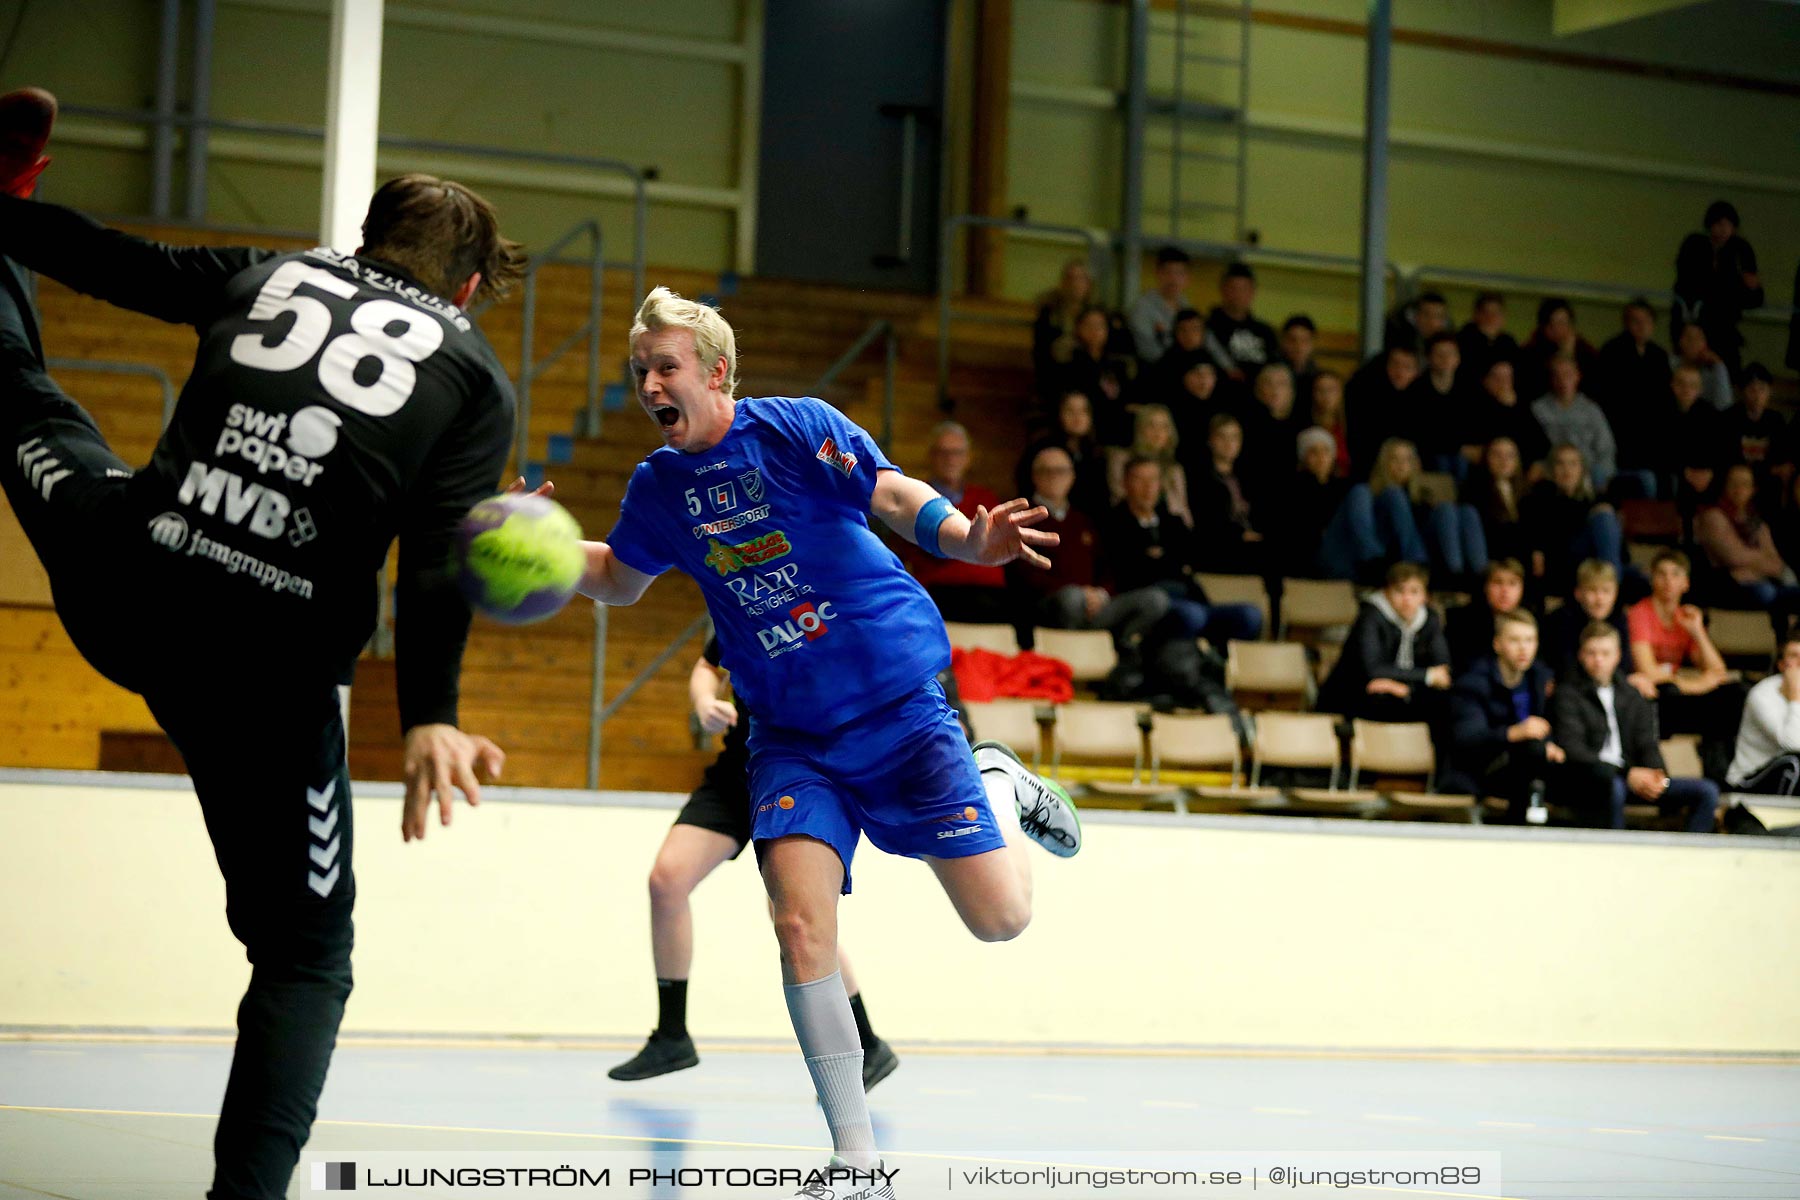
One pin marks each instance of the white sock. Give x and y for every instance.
(1003, 798)
(820, 1011)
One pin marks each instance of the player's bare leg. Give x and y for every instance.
(688, 855)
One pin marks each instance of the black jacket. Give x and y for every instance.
(1481, 711)
(1578, 721)
(1134, 556)
(1559, 636)
(1371, 651)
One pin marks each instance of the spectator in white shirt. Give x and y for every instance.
(1768, 741)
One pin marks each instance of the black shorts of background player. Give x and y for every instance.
(712, 828)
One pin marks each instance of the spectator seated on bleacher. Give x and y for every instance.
(1692, 350)
(1074, 436)
(1469, 629)
(1301, 505)
(1715, 281)
(1378, 405)
(1154, 440)
(1570, 418)
(1767, 757)
(1484, 340)
(1495, 488)
(1325, 410)
(1396, 664)
(1151, 317)
(1225, 518)
(1299, 337)
(1608, 735)
(1160, 382)
(1070, 595)
(1632, 373)
(1555, 335)
(1566, 523)
(1271, 427)
(1498, 412)
(1445, 408)
(962, 591)
(1499, 717)
(1238, 342)
(1417, 321)
(1667, 635)
(1596, 599)
(1054, 328)
(1095, 365)
(1393, 517)
(1193, 398)
(1748, 572)
(1145, 546)
(1755, 434)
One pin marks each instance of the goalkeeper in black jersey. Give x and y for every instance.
(335, 403)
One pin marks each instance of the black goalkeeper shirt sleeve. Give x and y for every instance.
(432, 618)
(179, 284)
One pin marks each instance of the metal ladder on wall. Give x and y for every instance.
(1201, 72)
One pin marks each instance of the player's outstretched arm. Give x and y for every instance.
(180, 284)
(992, 539)
(608, 580)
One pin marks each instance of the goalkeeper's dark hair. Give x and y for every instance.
(440, 232)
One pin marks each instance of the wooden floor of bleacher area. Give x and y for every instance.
(528, 688)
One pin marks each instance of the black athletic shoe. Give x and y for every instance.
(659, 1056)
(878, 1064)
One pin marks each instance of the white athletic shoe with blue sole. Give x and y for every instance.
(1046, 814)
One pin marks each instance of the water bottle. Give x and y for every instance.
(1537, 812)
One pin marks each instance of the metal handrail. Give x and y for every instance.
(639, 176)
(1411, 281)
(598, 713)
(112, 367)
(1097, 259)
(891, 340)
(531, 367)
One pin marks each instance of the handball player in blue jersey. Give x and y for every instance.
(835, 649)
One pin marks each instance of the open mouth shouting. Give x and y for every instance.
(665, 415)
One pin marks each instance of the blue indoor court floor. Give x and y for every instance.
(132, 1119)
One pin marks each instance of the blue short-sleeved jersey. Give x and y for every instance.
(818, 620)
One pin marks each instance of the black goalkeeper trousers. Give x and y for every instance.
(266, 753)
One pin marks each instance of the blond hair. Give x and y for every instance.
(713, 339)
(1381, 478)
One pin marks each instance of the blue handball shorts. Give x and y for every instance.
(902, 774)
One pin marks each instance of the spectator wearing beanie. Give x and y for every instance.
(1300, 511)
